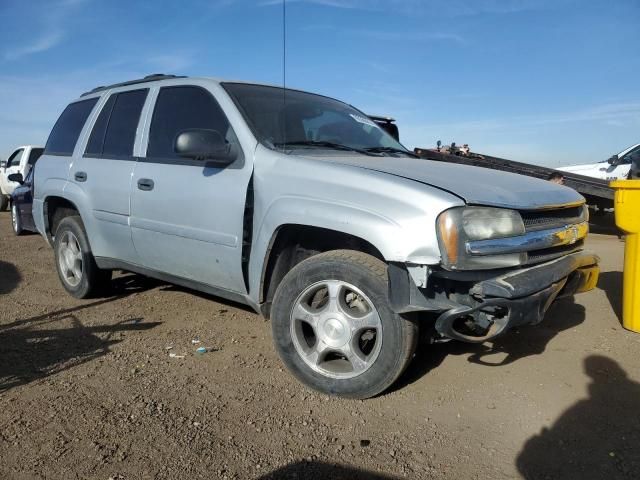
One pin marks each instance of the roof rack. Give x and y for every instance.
(148, 78)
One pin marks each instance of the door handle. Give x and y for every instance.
(80, 176)
(145, 184)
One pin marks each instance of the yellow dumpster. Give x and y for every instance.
(627, 210)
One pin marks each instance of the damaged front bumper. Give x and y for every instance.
(477, 309)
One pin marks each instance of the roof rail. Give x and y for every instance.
(148, 78)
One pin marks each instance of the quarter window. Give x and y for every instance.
(96, 139)
(66, 131)
(114, 132)
(182, 108)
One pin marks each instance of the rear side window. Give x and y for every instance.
(114, 132)
(182, 108)
(35, 154)
(66, 131)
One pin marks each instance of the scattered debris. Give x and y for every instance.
(201, 350)
(365, 443)
(195, 341)
(175, 355)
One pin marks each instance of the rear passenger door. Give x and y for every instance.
(104, 173)
(187, 215)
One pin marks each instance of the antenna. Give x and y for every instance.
(284, 44)
(284, 74)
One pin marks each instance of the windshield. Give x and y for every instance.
(305, 120)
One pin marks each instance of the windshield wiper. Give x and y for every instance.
(323, 144)
(391, 150)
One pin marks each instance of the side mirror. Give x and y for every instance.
(614, 160)
(206, 145)
(16, 177)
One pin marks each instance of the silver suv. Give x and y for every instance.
(300, 206)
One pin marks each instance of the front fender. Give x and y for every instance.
(410, 241)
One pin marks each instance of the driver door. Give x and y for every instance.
(13, 166)
(187, 215)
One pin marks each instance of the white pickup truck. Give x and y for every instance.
(618, 167)
(19, 161)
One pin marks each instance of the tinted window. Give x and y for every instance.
(96, 139)
(115, 130)
(67, 129)
(14, 160)
(35, 154)
(181, 108)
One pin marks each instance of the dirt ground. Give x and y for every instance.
(88, 390)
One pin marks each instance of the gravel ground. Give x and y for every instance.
(89, 389)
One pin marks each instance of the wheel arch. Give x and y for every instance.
(291, 243)
(55, 208)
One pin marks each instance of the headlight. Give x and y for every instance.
(459, 225)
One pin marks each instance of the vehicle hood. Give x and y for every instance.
(475, 185)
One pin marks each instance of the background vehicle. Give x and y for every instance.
(309, 212)
(21, 202)
(21, 162)
(615, 168)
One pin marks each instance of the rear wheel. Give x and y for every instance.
(16, 222)
(334, 329)
(77, 269)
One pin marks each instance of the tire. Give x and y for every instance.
(16, 222)
(4, 202)
(77, 269)
(327, 343)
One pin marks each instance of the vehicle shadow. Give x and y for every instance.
(9, 277)
(120, 287)
(31, 352)
(514, 345)
(596, 438)
(321, 471)
(31, 348)
(611, 284)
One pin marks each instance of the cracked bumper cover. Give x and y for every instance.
(524, 294)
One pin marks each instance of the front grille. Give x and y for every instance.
(548, 254)
(546, 219)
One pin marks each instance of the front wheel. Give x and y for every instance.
(334, 329)
(16, 222)
(77, 269)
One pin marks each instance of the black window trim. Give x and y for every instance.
(66, 154)
(102, 156)
(237, 164)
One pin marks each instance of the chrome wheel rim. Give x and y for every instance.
(70, 259)
(14, 217)
(336, 329)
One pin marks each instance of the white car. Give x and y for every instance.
(20, 161)
(615, 168)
